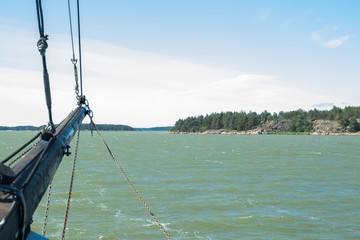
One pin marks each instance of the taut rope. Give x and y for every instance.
(71, 183)
(130, 183)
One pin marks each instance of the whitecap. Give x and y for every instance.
(118, 214)
(152, 223)
(103, 207)
(244, 217)
(136, 219)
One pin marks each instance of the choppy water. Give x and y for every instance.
(207, 187)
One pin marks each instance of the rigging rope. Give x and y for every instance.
(79, 37)
(23, 153)
(71, 183)
(42, 155)
(73, 60)
(42, 45)
(21, 148)
(46, 215)
(128, 180)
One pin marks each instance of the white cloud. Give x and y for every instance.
(337, 41)
(253, 92)
(328, 106)
(325, 37)
(136, 88)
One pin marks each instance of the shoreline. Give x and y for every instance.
(257, 132)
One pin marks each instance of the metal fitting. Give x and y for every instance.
(42, 45)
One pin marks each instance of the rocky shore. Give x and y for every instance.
(256, 132)
(220, 131)
(320, 127)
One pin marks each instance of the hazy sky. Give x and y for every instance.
(149, 63)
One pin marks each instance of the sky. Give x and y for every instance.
(150, 63)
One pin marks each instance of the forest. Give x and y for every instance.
(107, 127)
(299, 120)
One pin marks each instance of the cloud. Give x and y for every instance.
(123, 85)
(252, 92)
(140, 89)
(328, 106)
(325, 37)
(323, 105)
(337, 41)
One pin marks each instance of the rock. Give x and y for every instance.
(274, 126)
(325, 127)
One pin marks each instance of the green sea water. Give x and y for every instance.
(206, 187)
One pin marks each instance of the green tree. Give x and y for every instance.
(354, 126)
(344, 122)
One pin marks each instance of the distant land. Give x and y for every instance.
(108, 127)
(345, 121)
(102, 127)
(21, 128)
(163, 129)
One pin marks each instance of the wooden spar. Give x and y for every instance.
(33, 189)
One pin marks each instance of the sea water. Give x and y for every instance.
(206, 187)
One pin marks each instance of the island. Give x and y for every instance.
(337, 121)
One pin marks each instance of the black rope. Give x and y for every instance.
(21, 148)
(42, 155)
(80, 60)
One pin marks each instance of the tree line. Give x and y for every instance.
(86, 126)
(107, 127)
(299, 120)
